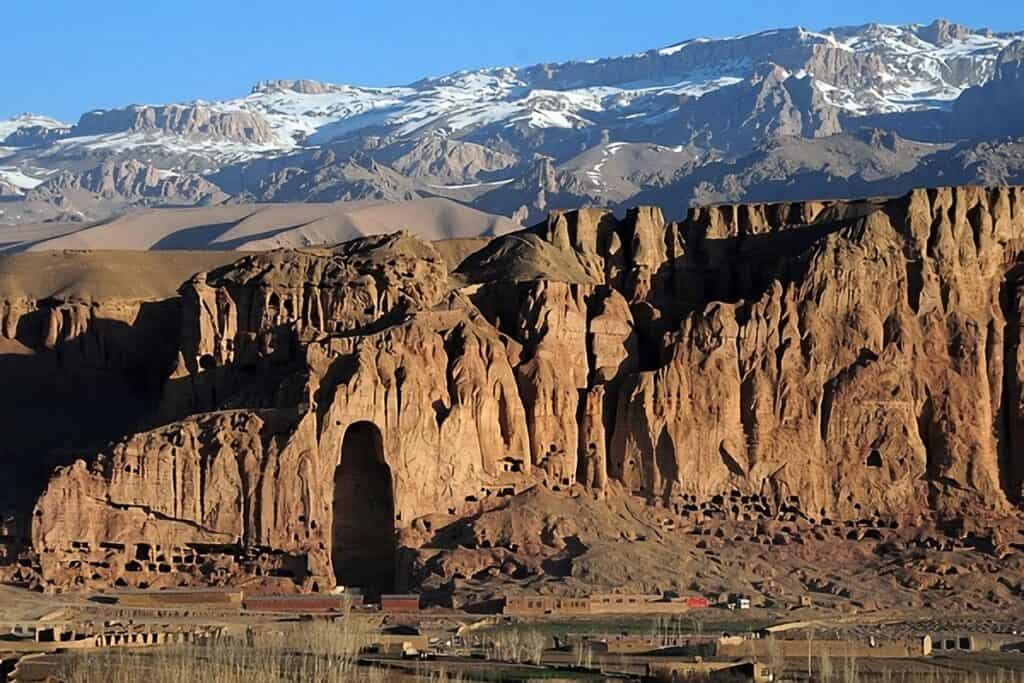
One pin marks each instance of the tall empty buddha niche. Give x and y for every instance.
(363, 530)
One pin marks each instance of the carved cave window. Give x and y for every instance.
(874, 459)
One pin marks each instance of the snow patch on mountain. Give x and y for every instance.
(217, 150)
(673, 49)
(917, 75)
(594, 174)
(859, 70)
(19, 179)
(462, 101)
(8, 126)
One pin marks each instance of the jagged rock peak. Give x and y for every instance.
(130, 180)
(944, 32)
(299, 85)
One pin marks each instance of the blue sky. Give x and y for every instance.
(64, 57)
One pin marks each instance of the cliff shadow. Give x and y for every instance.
(1010, 420)
(71, 401)
(739, 268)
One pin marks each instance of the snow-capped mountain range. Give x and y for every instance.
(769, 115)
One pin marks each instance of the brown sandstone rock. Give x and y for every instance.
(832, 359)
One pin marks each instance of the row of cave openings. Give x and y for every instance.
(363, 534)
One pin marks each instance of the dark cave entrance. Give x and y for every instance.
(363, 527)
(1010, 418)
(874, 458)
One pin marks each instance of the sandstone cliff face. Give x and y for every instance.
(778, 363)
(86, 345)
(850, 359)
(95, 335)
(191, 120)
(78, 375)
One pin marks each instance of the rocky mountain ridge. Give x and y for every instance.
(178, 120)
(132, 181)
(677, 126)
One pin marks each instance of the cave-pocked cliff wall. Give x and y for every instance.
(847, 359)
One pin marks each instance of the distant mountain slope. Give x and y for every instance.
(780, 114)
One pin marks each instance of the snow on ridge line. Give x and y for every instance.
(483, 97)
(493, 183)
(27, 120)
(489, 91)
(18, 179)
(480, 100)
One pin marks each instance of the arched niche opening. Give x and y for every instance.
(363, 524)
